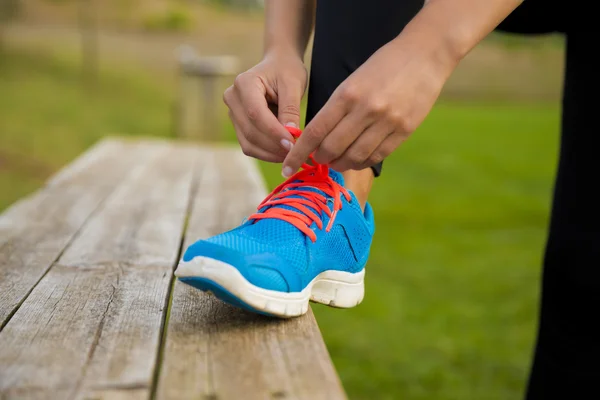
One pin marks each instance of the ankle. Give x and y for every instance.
(360, 183)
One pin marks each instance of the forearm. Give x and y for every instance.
(449, 29)
(288, 25)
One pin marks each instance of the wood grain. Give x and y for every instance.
(91, 327)
(215, 351)
(35, 231)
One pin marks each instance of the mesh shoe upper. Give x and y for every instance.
(307, 225)
(276, 255)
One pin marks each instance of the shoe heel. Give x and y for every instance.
(338, 294)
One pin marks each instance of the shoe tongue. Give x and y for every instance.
(336, 177)
(284, 228)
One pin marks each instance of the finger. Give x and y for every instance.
(252, 150)
(289, 97)
(341, 137)
(385, 149)
(358, 153)
(314, 133)
(255, 110)
(250, 132)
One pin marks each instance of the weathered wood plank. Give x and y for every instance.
(91, 327)
(35, 231)
(85, 167)
(214, 351)
(230, 187)
(64, 329)
(142, 221)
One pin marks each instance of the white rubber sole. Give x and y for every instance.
(332, 288)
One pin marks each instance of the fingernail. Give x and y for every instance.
(286, 172)
(293, 125)
(286, 144)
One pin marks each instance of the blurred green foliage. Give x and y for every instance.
(530, 43)
(9, 9)
(174, 19)
(47, 118)
(246, 4)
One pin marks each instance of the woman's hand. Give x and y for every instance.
(384, 101)
(264, 99)
(374, 110)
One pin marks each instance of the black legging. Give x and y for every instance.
(346, 34)
(567, 356)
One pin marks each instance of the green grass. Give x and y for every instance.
(461, 212)
(47, 118)
(452, 284)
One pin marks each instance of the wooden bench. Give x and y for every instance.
(89, 308)
(199, 83)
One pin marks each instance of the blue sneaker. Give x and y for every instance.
(309, 240)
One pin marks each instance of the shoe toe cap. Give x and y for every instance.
(265, 270)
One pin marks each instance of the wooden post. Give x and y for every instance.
(88, 26)
(9, 9)
(1, 37)
(207, 71)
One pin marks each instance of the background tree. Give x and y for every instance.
(9, 9)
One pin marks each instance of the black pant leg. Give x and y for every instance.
(538, 16)
(347, 33)
(567, 356)
(567, 352)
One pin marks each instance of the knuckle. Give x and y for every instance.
(375, 158)
(349, 93)
(240, 80)
(315, 134)
(227, 95)
(252, 113)
(290, 110)
(377, 106)
(396, 119)
(408, 125)
(357, 157)
(250, 135)
(326, 154)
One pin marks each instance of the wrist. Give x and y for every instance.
(452, 28)
(428, 46)
(283, 51)
(288, 25)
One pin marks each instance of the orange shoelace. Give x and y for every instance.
(315, 176)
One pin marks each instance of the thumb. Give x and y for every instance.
(288, 105)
